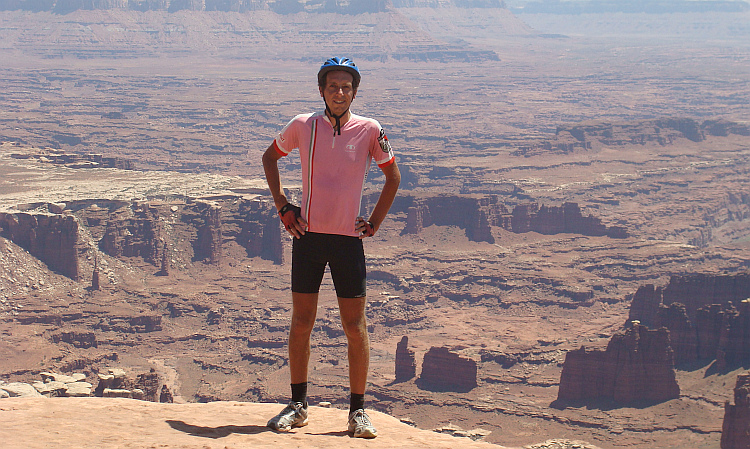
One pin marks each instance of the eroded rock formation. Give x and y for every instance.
(708, 316)
(563, 219)
(406, 365)
(476, 215)
(50, 232)
(133, 231)
(443, 370)
(207, 221)
(51, 238)
(636, 366)
(735, 430)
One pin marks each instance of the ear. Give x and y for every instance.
(320, 89)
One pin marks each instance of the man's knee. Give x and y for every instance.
(302, 322)
(355, 326)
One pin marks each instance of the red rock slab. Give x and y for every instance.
(95, 423)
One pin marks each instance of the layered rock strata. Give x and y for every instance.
(443, 370)
(708, 316)
(735, 430)
(476, 215)
(50, 237)
(51, 232)
(636, 367)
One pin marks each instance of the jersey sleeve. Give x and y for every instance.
(288, 138)
(381, 151)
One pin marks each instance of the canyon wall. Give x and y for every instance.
(636, 367)
(50, 237)
(157, 232)
(476, 215)
(708, 316)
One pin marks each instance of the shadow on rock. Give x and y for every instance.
(215, 432)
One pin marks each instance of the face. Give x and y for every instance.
(338, 92)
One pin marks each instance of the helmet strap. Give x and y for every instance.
(337, 127)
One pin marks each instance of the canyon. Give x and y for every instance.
(571, 190)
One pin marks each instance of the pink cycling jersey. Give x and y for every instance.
(334, 167)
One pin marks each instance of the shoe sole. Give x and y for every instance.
(367, 435)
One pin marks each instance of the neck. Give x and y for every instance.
(337, 121)
(343, 118)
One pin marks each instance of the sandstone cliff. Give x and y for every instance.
(636, 367)
(444, 370)
(476, 215)
(51, 238)
(708, 316)
(145, 230)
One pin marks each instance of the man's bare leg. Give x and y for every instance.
(304, 310)
(355, 327)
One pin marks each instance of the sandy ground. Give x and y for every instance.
(87, 423)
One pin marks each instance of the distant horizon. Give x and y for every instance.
(625, 6)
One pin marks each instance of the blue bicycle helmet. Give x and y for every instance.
(339, 63)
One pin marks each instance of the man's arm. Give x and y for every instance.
(387, 195)
(273, 178)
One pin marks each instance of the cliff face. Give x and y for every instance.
(205, 217)
(51, 238)
(477, 215)
(444, 370)
(735, 430)
(564, 219)
(131, 232)
(708, 316)
(194, 231)
(637, 366)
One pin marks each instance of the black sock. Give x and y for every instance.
(299, 393)
(356, 402)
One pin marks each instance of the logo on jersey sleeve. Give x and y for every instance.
(385, 145)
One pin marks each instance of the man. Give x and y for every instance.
(336, 147)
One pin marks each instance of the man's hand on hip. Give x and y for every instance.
(291, 216)
(364, 228)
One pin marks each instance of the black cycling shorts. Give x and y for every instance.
(344, 254)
